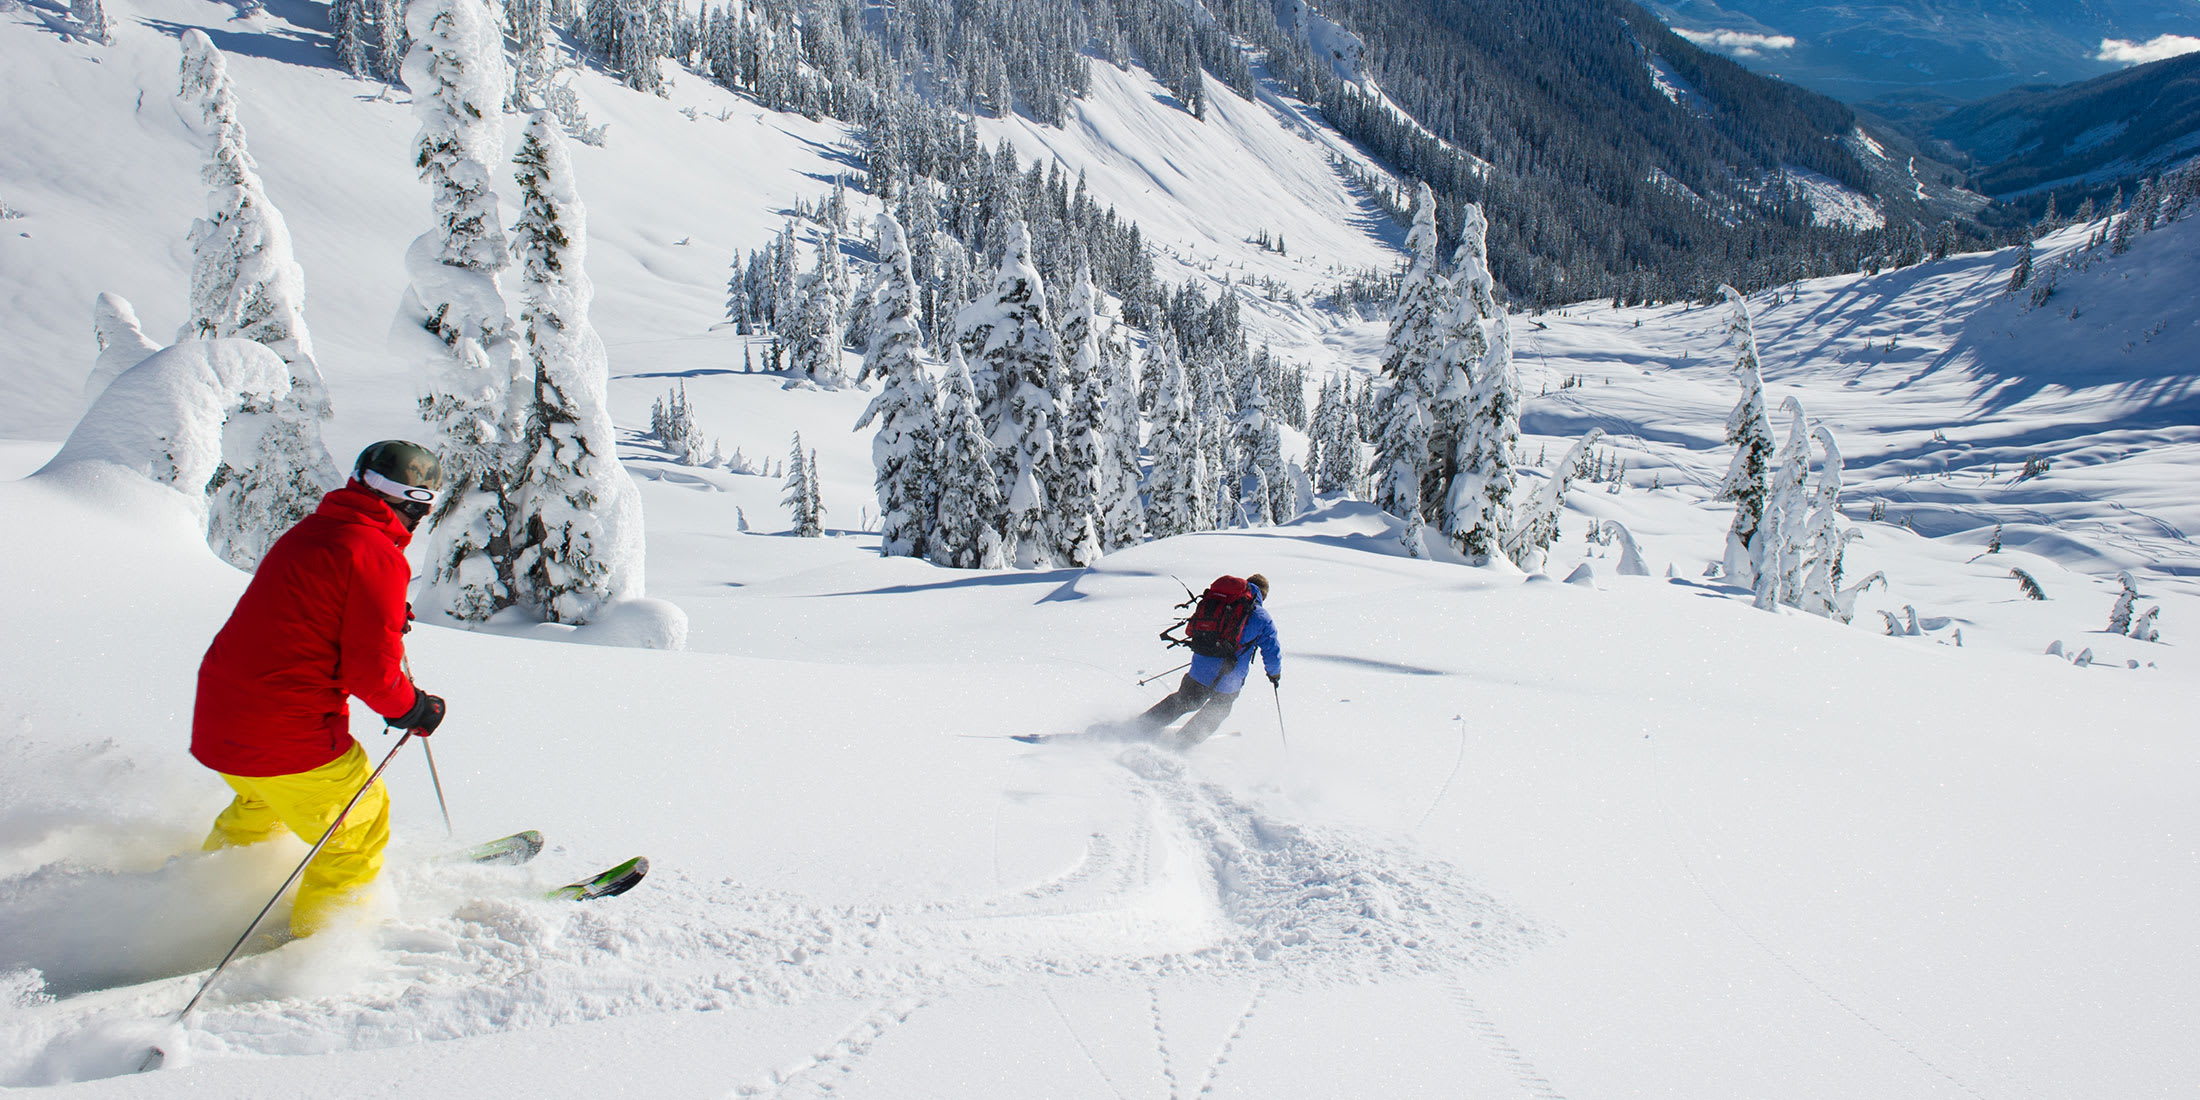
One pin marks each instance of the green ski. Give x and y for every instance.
(510, 851)
(611, 883)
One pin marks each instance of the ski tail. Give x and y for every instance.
(609, 884)
(509, 851)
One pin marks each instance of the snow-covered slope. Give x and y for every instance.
(1493, 835)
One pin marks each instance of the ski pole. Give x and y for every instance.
(1280, 735)
(154, 1057)
(1164, 672)
(429, 748)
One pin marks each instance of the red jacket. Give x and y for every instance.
(323, 618)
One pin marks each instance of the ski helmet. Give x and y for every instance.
(407, 473)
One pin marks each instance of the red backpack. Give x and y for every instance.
(1213, 628)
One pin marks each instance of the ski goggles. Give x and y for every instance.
(412, 500)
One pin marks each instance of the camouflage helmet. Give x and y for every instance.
(400, 470)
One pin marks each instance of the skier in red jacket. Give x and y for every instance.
(324, 618)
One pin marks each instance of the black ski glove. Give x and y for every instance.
(426, 714)
(1276, 678)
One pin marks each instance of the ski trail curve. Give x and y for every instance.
(1670, 820)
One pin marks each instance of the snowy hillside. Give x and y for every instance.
(1492, 835)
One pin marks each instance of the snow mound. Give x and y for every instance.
(170, 418)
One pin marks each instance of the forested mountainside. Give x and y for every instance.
(2079, 141)
(1613, 157)
(1955, 49)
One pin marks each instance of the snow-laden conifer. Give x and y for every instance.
(786, 281)
(1176, 488)
(1749, 429)
(1406, 402)
(2021, 275)
(246, 283)
(1216, 415)
(1122, 513)
(1341, 464)
(1535, 522)
(802, 499)
(1787, 506)
(122, 343)
(1822, 581)
(906, 451)
(458, 79)
(576, 530)
(1478, 504)
(816, 339)
(1264, 490)
(1460, 349)
(1008, 334)
(92, 21)
(967, 534)
(456, 72)
(2119, 616)
(2143, 628)
(1016, 342)
(1081, 455)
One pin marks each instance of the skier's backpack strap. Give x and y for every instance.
(1215, 625)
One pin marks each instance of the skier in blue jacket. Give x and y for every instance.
(1212, 684)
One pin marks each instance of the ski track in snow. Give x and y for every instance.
(1222, 1052)
(1676, 844)
(823, 1073)
(1532, 1081)
(1189, 880)
(1082, 1047)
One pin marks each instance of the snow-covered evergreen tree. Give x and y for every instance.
(2119, 616)
(1176, 487)
(122, 343)
(1340, 463)
(456, 72)
(246, 283)
(1461, 347)
(351, 23)
(2143, 628)
(92, 21)
(907, 449)
(1015, 340)
(1535, 523)
(816, 340)
(967, 534)
(1407, 400)
(1264, 490)
(1122, 513)
(2022, 273)
(576, 518)
(1216, 415)
(1478, 503)
(1780, 581)
(1749, 429)
(1008, 330)
(1822, 580)
(786, 281)
(1081, 447)
(803, 501)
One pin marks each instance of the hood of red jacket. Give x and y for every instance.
(355, 503)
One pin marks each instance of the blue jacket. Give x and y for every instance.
(1228, 677)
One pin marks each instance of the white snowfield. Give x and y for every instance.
(1493, 836)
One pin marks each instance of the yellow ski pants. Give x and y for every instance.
(304, 804)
